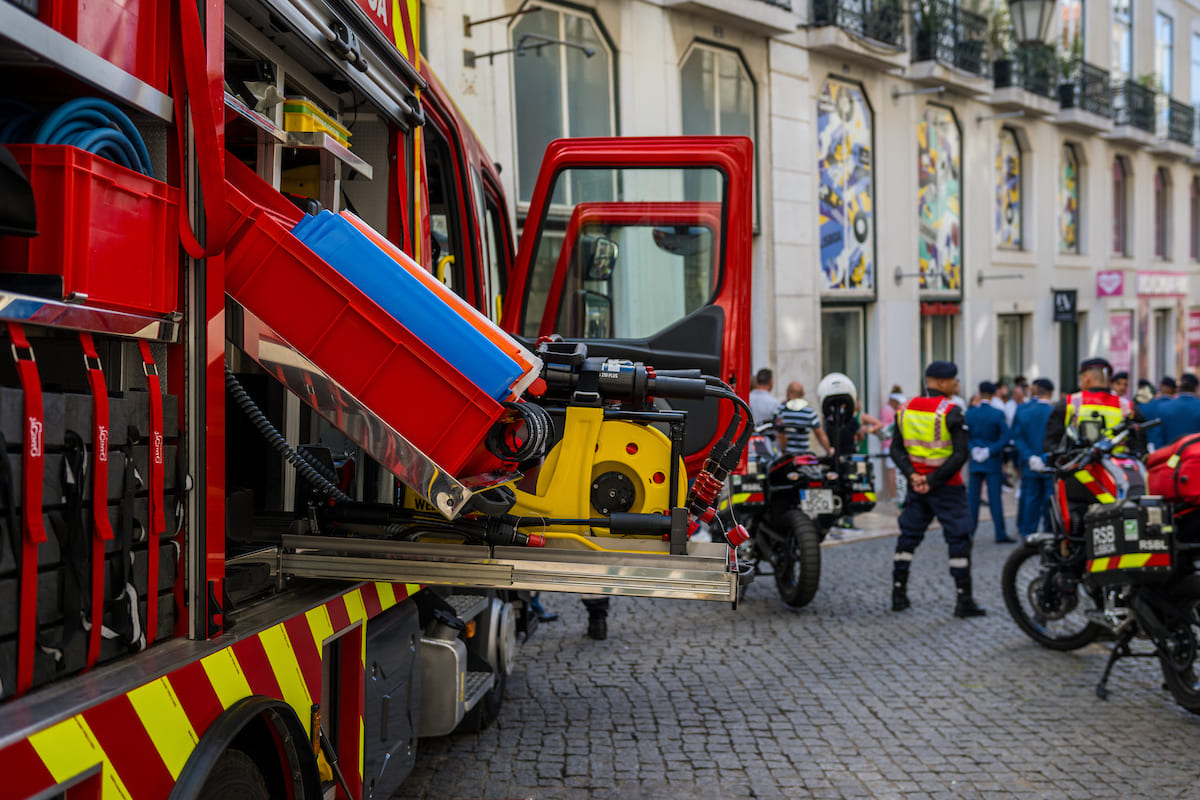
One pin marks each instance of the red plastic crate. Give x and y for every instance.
(110, 232)
(358, 344)
(133, 34)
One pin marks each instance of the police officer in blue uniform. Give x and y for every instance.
(1028, 434)
(930, 448)
(1180, 415)
(988, 438)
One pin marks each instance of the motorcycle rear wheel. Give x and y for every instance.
(1180, 670)
(1054, 622)
(798, 568)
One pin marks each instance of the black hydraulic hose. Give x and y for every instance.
(306, 470)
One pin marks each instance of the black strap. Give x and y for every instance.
(76, 592)
(12, 524)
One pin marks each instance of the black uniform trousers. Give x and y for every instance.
(948, 504)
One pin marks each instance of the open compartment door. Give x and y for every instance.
(640, 247)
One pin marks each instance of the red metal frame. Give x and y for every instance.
(733, 156)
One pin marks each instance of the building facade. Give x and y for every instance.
(925, 189)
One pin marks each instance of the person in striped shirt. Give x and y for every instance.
(793, 421)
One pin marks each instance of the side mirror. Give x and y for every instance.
(683, 240)
(598, 257)
(597, 315)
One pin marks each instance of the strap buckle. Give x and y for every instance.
(26, 349)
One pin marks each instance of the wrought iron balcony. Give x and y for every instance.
(881, 20)
(1133, 104)
(1176, 122)
(1035, 69)
(950, 35)
(1090, 91)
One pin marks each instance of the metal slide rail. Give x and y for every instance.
(707, 572)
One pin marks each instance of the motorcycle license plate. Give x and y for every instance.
(817, 501)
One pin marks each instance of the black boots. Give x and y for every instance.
(965, 606)
(597, 609)
(900, 592)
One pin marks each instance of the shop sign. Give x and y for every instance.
(1162, 284)
(1064, 305)
(930, 309)
(1110, 283)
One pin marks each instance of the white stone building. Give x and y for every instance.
(915, 199)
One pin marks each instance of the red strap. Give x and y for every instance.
(189, 67)
(155, 463)
(32, 472)
(101, 527)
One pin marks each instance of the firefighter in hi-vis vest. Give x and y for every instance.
(1090, 414)
(930, 448)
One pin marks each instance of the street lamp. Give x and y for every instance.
(1031, 20)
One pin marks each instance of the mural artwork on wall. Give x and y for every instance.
(1008, 191)
(939, 200)
(1068, 202)
(846, 189)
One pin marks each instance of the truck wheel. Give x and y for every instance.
(798, 570)
(234, 775)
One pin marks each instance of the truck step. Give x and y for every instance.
(468, 606)
(475, 686)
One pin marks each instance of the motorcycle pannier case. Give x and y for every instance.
(1130, 541)
(1174, 471)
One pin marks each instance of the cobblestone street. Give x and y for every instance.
(842, 699)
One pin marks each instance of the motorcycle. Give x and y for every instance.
(1128, 568)
(789, 503)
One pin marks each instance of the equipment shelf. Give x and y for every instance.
(320, 140)
(30, 310)
(260, 121)
(25, 41)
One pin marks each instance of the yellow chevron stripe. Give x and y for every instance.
(161, 713)
(287, 671)
(412, 588)
(1083, 477)
(225, 673)
(354, 606)
(387, 595)
(322, 627)
(1105, 497)
(870, 496)
(70, 748)
(1134, 560)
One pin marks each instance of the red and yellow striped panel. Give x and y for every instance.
(1131, 561)
(142, 739)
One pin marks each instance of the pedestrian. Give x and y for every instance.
(1029, 435)
(1120, 384)
(1152, 408)
(1167, 387)
(1181, 415)
(930, 450)
(535, 605)
(987, 438)
(597, 609)
(887, 417)
(763, 404)
(795, 419)
(1144, 393)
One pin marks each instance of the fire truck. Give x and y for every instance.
(290, 430)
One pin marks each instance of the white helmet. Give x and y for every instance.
(834, 384)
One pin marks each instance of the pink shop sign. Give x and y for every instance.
(1110, 283)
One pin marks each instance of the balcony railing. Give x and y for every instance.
(1093, 91)
(948, 34)
(1176, 121)
(1035, 69)
(1133, 104)
(881, 20)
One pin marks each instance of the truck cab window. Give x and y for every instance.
(637, 251)
(446, 210)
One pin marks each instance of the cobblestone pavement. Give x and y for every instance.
(842, 699)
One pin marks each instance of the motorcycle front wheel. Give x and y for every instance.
(798, 566)
(1179, 667)
(1053, 618)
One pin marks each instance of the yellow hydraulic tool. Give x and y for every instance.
(601, 467)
